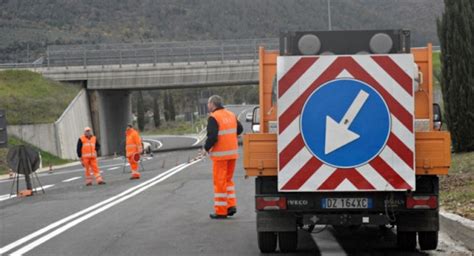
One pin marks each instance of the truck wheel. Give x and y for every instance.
(288, 241)
(428, 240)
(406, 240)
(267, 241)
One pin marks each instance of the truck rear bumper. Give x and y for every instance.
(283, 221)
(345, 219)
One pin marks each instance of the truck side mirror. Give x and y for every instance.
(437, 117)
(255, 120)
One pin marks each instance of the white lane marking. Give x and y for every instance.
(63, 172)
(10, 246)
(160, 144)
(243, 112)
(11, 196)
(6, 197)
(64, 220)
(71, 224)
(71, 179)
(44, 187)
(327, 243)
(197, 141)
(113, 168)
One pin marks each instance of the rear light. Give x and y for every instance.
(422, 202)
(270, 203)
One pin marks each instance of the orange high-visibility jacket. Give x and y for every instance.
(88, 147)
(133, 142)
(227, 145)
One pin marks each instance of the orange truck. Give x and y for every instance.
(346, 134)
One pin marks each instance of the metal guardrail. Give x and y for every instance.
(19, 65)
(171, 44)
(150, 53)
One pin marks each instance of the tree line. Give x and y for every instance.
(456, 34)
(166, 105)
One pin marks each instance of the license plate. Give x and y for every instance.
(346, 203)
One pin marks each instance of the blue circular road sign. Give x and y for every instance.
(345, 123)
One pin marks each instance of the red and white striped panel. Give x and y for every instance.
(392, 77)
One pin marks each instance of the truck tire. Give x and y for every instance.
(288, 241)
(406, 240)
(428, 240)
(267, 242)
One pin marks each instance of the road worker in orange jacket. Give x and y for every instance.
(133, 149)
(222, 146)
(87, 147)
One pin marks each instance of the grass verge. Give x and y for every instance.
(177, 128)
(457, 188)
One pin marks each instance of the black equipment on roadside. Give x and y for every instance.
(24, 160)
(3, 130)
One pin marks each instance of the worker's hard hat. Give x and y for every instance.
(87, 129)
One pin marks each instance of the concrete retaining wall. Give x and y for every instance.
(70, 125)
(42, 136)
(59, 138)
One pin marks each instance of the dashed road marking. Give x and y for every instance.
(71, 179)
(327, 243)
(11, 196)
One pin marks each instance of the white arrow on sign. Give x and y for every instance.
(338, 134)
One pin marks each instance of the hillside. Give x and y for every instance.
(28, 98)
(28, 26)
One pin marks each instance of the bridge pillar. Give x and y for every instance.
(110, 112)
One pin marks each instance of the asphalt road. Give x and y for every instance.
(164, 213)
(172, 142)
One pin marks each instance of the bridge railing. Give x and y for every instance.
(151, 45)
(149, 53)
(157, 55)
(20, 65)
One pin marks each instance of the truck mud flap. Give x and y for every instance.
(275, 221)
(418, 221)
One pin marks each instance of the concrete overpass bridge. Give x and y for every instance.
(156, 65)
(110, 71)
